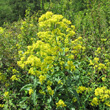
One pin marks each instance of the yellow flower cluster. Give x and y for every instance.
(42, 78)
(107, 103)
(7, 84)
(56, 37)
(103, 40)
(42, 92)
(49, 83)
(60, 82)
(14, 71)
(98, 51)
(24, 24)
(14, 78)
(95, 101)
(56, 40)
(1, 105)
(70, 66)
(33, 60)
(103, 79)
(81, 89)
(6, 94)
(101, 66)
(50, 91)
(1, 30)
(77, 43)
(60, 103)
(102, 94)
(45, 16)
(30, 91)
(95, 63)
(74, 99)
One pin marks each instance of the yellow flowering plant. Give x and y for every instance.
(46, 64)
(60, 103)
(50, 60)
(56, 63)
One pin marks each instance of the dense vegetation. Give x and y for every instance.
(55, 55)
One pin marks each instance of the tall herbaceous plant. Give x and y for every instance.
(50, 62)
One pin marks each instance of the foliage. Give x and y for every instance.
(13, 10)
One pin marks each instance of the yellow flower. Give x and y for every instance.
(96, 60)
(74, 99)
(103, 93)
(70, 65)
(80, 38)
(71, 56)
(103, 79)
(30, 91)
(50, 91)
(107, 103)
(17, 45)
(23, 22)
(60, 103)
(71, 33)
(14, 78)
(95, 101)
(107, 91)
(98, 51)
(98, 91)
(6, 94)
(21, 64)
(1, 30)
(41, 92)
(81, 89)
(49, 83)
(7, 84)
(73, 27)
(31, 71)
(31, 25)
(42, 78)
(45, 16)
(14, 71)
(22, 28)
(66, 21)
(106, 60)
(60, 82)
(101, 66)
(1, 105)
(91, 63)
(103, 39)
(66, 49)
(88, 89)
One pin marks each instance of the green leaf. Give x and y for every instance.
(72, 108)
(23, 99)
(49, 100)
(34, 98)
(35, 83)
(26, 87)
